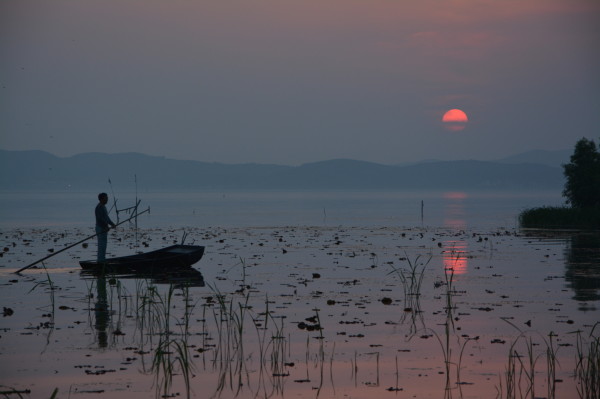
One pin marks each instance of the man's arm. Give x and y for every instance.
(106, 218)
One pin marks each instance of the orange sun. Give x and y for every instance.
(455, 120)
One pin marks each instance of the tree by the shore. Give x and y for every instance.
(582, 188)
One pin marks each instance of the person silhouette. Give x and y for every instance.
(102, 225)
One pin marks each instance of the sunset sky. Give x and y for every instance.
(296, 81)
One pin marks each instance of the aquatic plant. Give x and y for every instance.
(51, 289)
(171, 353)
(587, 370)
(229, 360)
(411, 279)
(450, 291)
(7, 391)
(447, 340)
(228, 356)
(272, 353)
(318, 323)
(551, 362)
(243, 263)
(166, 366)
(520, 371)
(278, 348)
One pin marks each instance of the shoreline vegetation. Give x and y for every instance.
(549, 217)
(581, 190)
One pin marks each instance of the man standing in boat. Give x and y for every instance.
(102, 225)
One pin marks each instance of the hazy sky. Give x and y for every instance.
(295, 81)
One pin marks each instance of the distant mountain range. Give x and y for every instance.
(40, 170)
(548, 158)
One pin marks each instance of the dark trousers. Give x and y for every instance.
(102, 243)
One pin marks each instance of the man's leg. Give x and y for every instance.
(102, 242)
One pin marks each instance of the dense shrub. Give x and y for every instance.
(560, 217)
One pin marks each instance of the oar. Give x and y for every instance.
(77, 243)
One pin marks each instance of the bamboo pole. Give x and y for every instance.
(77, 243)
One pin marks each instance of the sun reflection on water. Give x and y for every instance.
(455, 254)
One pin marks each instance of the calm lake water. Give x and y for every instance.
(280, 208)
(337, 294)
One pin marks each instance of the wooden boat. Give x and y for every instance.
(173, 257)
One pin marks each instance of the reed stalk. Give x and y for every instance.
(551, 361)
(51, 289)
(171, 355)
(520, 372)
(411, 279)
(587, 369)
(447, 342)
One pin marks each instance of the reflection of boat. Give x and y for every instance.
(178, 278)
(173, 257)
(188, 277)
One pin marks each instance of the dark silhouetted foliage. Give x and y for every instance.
(582, 191)
(582, 188)
(560, 218)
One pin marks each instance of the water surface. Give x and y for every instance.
(308, 307)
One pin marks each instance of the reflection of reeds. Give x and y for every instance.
(587, 370)
(171, 354)
(446, 343)
(519, 375)
(51, 288)
(319, 325)
(412, 280)
(229, 319)
(229, 360)
(520, 370)
(551, 361)
(7, 392)
(450, 291)
(452, 364)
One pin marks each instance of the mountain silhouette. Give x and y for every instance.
(41, 170)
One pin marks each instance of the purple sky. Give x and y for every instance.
(295, 81)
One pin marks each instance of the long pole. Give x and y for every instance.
(77, 243)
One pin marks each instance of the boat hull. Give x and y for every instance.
(173, 257)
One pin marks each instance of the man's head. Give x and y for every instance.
(103, 198)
